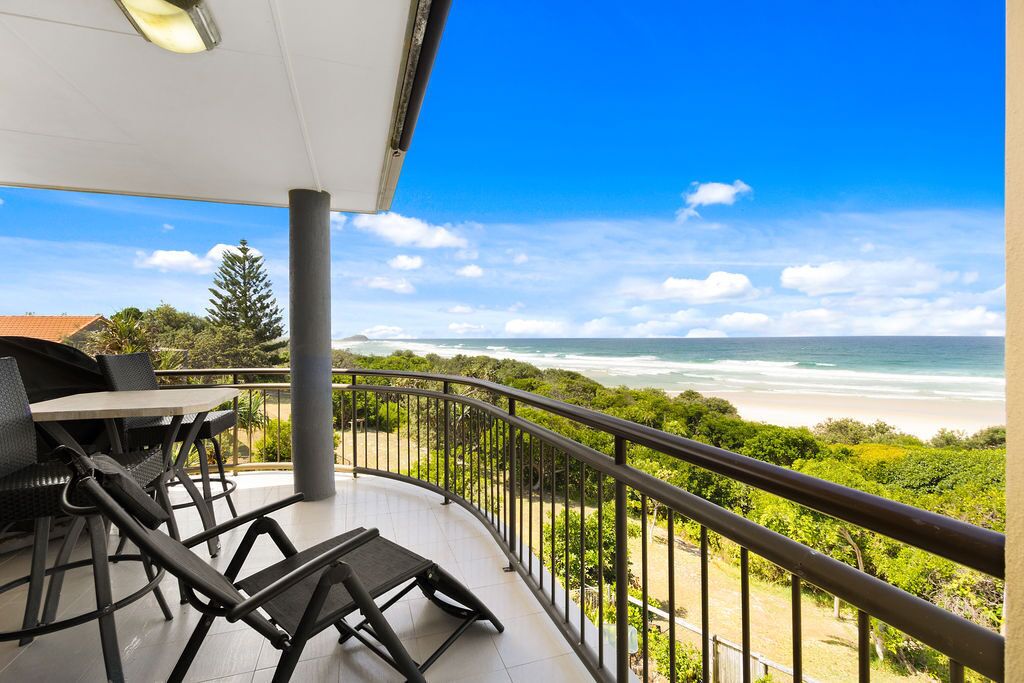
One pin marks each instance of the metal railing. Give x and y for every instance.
(540, 493)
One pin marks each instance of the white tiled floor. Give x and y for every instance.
(531, 649)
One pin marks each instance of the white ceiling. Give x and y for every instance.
(299, 94)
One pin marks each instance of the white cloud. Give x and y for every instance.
(520, 258)
(718, 286)
(709, 194)
(705, 333)
(467, 254)
(889, 278)
(743, 321)
(535, 328)
(403, 262)
(182, 261)
(407, 231)
(1, 201)
(472, 270)
(517, 306)
(970, 278)
(464, 328)
(338, 221)
(383, 332)
(166, 227)
(601, 327)
(900, 317)
(397, 285)
(655, 328)
(867, 248)
(461, 309)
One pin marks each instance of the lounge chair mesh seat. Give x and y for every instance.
(380, 565)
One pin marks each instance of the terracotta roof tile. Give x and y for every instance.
(52, 327)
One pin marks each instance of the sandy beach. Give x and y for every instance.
(920, 417)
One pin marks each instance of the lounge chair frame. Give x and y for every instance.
(213, 601)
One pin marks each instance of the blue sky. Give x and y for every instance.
(657, 169)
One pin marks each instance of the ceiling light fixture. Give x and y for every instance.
(184, 26)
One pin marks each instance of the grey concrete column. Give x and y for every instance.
(309, 315)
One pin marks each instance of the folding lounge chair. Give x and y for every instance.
(290, 602)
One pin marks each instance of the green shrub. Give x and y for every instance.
(276, 443)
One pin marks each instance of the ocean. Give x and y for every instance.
(925, 368)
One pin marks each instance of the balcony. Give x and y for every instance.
(462, 471)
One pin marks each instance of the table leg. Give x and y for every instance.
(202, 506)
(114, 434)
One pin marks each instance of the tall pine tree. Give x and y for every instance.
(242, 297)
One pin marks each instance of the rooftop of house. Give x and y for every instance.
(50, 327)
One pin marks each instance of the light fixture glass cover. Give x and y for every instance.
(184, 26)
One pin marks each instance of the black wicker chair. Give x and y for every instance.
(30, 492)
(305, 593)
(134, 372)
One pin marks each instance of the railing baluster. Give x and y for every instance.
(342, 402)
(583, 552)
(705, 610)
(565, 541)
(671, 594)
(540, 516)
(355, 417)
(376, 430)
(798, 644)
(956, 672)
(234, 430)
(745, 610)
(447, 444)
(278, 433)
(863, 647)
(621, 569)
(419, 442)
(387, 425)
(554, 477)
(512, 465)
(644, 616)
(600, 569)
(529, 493)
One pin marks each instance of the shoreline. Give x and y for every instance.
(920, 417)
(765, 384)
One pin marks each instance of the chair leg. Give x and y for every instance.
(204, 475)
(104, 599)
(164, 499)
(201, 506)
(289, 659)
(37, 575)
(157, 593)
(74, 532)
(382, 630)
(191, 649)
(223, 478)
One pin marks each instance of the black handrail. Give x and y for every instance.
(955, 540)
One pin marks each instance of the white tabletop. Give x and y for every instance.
(102, 405)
